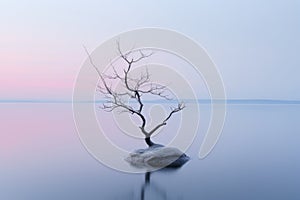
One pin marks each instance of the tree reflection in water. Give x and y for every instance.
(158, 190)
(150, 188)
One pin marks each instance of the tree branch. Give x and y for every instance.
(134, 89)
(180, 107)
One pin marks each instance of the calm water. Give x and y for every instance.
(257, 157)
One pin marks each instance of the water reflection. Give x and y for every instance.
(152, 188)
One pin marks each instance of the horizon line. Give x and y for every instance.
(200, 101)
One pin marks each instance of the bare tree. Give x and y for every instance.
(134, 88)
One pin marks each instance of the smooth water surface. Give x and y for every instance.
(257, 157)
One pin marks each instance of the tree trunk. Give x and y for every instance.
(149, 142)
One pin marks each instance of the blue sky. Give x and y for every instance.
(255, 44)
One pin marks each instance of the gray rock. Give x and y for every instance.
(157, 156)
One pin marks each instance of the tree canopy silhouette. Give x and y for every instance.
(133, 88)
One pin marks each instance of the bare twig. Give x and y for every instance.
(134, 89)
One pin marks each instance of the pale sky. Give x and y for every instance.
(255, 44)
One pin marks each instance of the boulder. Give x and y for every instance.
(157, 157)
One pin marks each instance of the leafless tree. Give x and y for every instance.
(134, 88)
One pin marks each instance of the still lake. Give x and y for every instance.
(257, 157)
